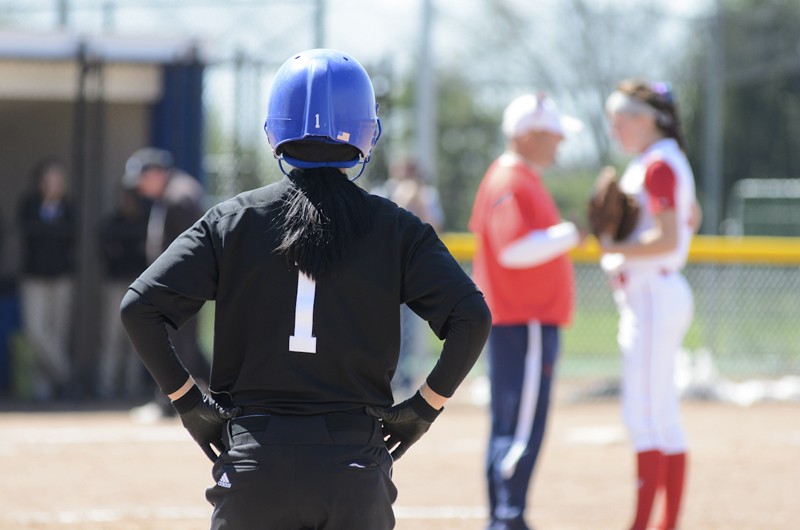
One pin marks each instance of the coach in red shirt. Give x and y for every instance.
(528, 281)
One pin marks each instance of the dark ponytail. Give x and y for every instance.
(322, 214)
(660, 97)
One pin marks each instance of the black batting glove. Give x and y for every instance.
(205, 420)
(405, 423)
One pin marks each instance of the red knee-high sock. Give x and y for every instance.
(650, 472)
(673, 483)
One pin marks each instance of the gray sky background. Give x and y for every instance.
(271, 30)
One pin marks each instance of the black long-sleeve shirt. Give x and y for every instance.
(289, 345)
(122, 244)
(48, 235)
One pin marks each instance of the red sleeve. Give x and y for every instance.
(508, 208)
(660, 184)
(509, 219)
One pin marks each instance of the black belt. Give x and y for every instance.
(333, 428)
(255, 410)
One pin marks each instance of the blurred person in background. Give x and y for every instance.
(47, 225)
(654, 299)
(521, 265)
(176, 203)
(122, 243)
(8, 316)
(408, 188)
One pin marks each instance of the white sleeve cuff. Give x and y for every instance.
(539, 246)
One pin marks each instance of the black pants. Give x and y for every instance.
(327, 472)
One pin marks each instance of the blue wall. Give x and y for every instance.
(10, 322)
(177, 120)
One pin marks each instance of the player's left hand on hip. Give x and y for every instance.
(205, 420)
(405, 423)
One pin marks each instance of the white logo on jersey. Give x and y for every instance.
(224, 482)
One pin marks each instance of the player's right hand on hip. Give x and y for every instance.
(205, 420)
(404, 423)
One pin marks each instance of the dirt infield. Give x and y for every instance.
(92, 470)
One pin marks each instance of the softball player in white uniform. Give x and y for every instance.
(654, 299)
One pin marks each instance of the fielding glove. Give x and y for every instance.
(610, 211)
(205, 419)
(405, 423)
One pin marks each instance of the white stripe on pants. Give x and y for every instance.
(528, 400)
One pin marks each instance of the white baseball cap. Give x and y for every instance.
(141, 160)
(537, 112)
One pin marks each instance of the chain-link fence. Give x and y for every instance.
(744, 316)
(746, 293)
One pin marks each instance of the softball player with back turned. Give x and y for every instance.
(654, 300)
(308, 275)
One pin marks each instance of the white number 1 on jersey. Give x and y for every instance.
(303, 340)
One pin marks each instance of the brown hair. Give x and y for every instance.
(660, 97)
(40, 169)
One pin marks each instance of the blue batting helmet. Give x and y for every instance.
(322, 111)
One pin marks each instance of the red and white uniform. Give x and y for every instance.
(512, 203)
(654, 300)
(523, 269)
